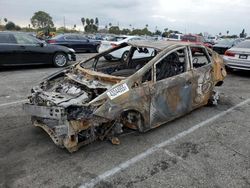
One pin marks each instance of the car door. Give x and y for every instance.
(202, 74)
(9, 50)
(30, 49)
(171, 93)
(71, 41)
(85, 44)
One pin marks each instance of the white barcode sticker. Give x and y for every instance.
(117, 91)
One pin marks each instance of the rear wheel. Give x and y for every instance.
(97, 48)
(108, 57)
(124, 56)
(60, 59)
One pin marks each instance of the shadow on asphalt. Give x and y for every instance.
(28, 67)
(241, 73)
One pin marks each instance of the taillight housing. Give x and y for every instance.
(113, 45)
(51, 41)
(229, 53)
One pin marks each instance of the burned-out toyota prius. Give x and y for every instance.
(100, 99)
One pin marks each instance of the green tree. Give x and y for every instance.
(10, 26)
(5, 20)
(125, 31)
(83, 21)
(96, 21)
(41, 19)
(114, 30)
(18, 28)
(87, 21)
(91, 21)
(243, 34)
(157, 32)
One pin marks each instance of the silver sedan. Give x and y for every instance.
(238, 57)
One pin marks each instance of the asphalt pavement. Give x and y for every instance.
(209, 147)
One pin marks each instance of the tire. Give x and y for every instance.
(108, 57)
(60, 59)
(97, 49)
(124, 56)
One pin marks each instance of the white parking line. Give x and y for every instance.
(157, 147)
(13, 103)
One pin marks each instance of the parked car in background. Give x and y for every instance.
(212, 39)
(23, 49)
(77, 42)
(224, 44)
(98, 99)
(115, 41)
(175, 37)
(238, 57)
(196, 39)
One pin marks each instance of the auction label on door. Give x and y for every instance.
(117, 91)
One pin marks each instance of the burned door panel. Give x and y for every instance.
(170, 98)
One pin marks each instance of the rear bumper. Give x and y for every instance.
(237, 64)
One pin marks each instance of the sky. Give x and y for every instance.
(186, 16)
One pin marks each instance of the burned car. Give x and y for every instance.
(99, 99)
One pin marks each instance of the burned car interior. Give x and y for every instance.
(99, 99)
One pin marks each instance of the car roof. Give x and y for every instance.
(160, 45)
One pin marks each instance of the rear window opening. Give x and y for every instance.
(122, 66)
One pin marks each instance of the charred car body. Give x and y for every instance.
(98, 99)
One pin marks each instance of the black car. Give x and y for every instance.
(76, 41)
(224, 44)
(23, 49)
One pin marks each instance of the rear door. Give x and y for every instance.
(171, 93)
(9, 51)
(203, 75)
(84, 44)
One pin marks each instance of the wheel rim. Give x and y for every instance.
(125, 55)
(60, 60)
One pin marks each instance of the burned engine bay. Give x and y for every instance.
(63, 104)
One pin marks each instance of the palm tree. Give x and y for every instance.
(146, 25)
(91, 21)
(227, 32)
(5, 19)
(96, 21)
(110, 24)
(87, 21)
(83, 21)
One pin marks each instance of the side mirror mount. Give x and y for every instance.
(41, 44)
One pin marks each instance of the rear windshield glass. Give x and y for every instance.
(116, 39)
(5, 38)
(173, 36)
(226, 42)
(189, 38)
(244, 44)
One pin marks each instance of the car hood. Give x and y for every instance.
(73, 86)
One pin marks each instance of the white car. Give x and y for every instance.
(115, 41)
(174, 37)
(238, 57)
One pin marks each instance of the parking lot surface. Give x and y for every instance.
(209, 147)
